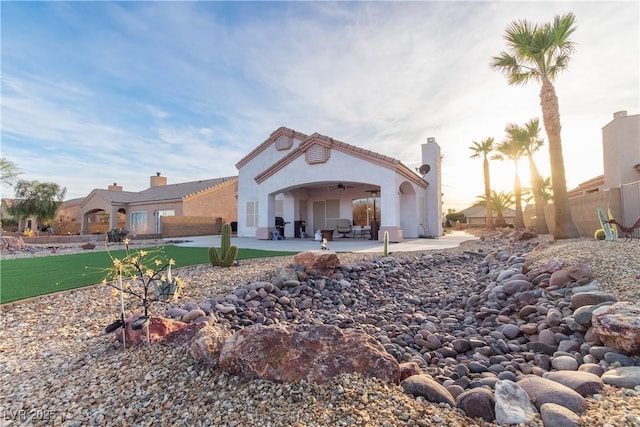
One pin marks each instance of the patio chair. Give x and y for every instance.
(344, 227)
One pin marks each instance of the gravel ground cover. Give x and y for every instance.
(57, 367)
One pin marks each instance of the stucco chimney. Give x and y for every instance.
(115, 187)
(157, 180)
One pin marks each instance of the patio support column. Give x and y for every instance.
(390, 212)
(266, 216)
(113, 218)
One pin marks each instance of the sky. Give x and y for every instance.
(96, 93)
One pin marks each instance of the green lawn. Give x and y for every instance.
(28, 277)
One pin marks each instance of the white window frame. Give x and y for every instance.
(142, 220)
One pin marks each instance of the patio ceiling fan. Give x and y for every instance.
(340, 186)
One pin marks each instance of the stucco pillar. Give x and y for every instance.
(113, 218)
(390, 212)
(433, 196)
(266, 216)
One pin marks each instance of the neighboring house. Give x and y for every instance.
(167, 209)
(314, 180)
(476, 215)
(30, 223)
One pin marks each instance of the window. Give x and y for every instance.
(139, 221)
(252, 214)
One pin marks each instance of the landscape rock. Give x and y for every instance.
(207, 343)
(512, 404)
(584, 383)
(558, 416)
(314, 353)
(618, 327)
(624, 376)
(158, 327)
(317, 261)
(541, 391)
(425, 386)
(477, 403)
(11, 244)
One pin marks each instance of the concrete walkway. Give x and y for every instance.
(449, 240)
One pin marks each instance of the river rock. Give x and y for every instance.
(477, 403)
(558, 416)
(584, 383)
(513, 405)
(591, 298)
(625, 376)
(541, 391)
(425, 386)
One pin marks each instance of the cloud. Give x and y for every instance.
(118, 91)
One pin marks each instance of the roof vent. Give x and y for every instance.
(619, 114)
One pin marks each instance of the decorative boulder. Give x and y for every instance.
(618, 327)
(208, 342)
(318, 261)
(314, 353)
(11, 243)
(158, 327)
(88, 246)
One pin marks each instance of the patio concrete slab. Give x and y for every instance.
(449, 240)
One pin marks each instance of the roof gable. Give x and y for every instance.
(317, 149)
(282, 138)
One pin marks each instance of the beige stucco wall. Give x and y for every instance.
(584, 210)
(221, 201)
(181, 226)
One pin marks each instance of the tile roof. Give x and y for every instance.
(163, 192)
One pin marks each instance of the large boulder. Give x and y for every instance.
(314, 353)
(317, 261)
(208, 342)
(618, 327)
(11, 244)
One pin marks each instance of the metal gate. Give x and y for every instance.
(630, 203)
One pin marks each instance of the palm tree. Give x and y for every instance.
(529, 137)
(498, 203)
(483, 148)
(512, 149)
(540, 53)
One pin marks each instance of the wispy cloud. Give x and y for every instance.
(99, 92)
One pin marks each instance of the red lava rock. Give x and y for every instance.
(315, 353)
(158, 328)
(317, 261)
(618, 327)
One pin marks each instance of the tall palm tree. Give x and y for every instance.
(498, 203)
(511, 149)
(483, 149)
(529, 137)
(540, 53)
